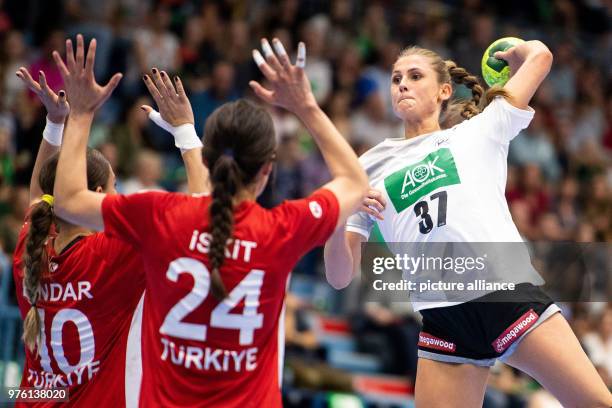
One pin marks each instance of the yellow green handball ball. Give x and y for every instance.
(496, 71)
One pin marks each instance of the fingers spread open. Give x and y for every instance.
(70, 56)
(300, 62)
(42, 81)
(168, 84)
(179, 87)
(25, 76)
(91, 57)
(60, 65)
(80, 53)
(281, 53)
(263, 66)
(265, 94)
(111, 85)
(270, 56)
(152, 89)
(159, 83)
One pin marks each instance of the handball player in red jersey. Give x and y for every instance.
(78, 290)
(216, 265)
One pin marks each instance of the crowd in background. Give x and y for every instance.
(559, 184)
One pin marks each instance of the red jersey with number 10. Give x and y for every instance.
(90, 324)
(198, 351)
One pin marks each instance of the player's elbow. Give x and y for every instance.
(339, 280)
(543, 55)
(66, 203)
(62, 205)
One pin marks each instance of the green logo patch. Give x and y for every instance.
(406, 186)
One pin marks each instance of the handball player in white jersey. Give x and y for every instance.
(461, 340)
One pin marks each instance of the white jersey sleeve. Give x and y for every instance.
(501, 121)
(361, 223)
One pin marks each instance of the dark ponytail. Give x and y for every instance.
(480, 98)
(225, 179)
(239, 140)
(41, 221)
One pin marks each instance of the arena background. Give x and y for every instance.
(340, 351)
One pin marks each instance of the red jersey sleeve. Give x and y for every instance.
(310, 221)
(130, 217)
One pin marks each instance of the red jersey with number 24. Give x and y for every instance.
(199, 351)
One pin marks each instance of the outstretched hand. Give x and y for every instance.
(84, 93)
(56, 105)
(173, 104)
(290, 88)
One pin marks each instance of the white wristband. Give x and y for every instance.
(185, 136)
(53, 133)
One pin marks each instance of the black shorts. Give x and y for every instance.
(484, 329)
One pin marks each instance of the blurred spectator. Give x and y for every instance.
(369, 123)
(92, 18)
(54, 41)
(531, 190)
(14, 56)
(11, 223)
(147, 173)
(562, 75)
(391, 334)
(533, 145)
(318, 68)
(567, 203)
(221, 90)
(381, 74)
(288, 178)
(7, 163)
(598, 344)
(598, 207)
(468, 52)
(156, 46)
(131, 135)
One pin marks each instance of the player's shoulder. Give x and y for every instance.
(375, 157)
(163, 200)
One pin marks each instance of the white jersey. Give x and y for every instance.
(446, 186)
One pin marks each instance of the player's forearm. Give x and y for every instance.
(339, 260)
(45, 151)
(49, 145)
(197, 173)
(530, 74)
(337, 153)
(71, 176)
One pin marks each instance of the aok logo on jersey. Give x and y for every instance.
(406, 186)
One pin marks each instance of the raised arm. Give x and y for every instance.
(57, 110)
(176, 116)
(529, 64)
(291, 90)
(73, 201)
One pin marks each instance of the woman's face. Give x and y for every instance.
(415, 91)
